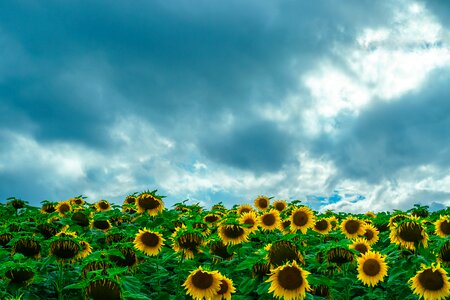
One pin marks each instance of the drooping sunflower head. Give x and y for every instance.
(250, 220)
(339, 256)
(280, 205)
(286, 225)
(28, 247)
(244, 208)
(444, 254)
(372, 268)
(20, 276)
(233, 234)
(80, 218)
(302, 218)
(371, 234)
(361, 245)
(322, 226)
(289, 282)
(262, 203)
(211, 218)
(104, 289)
(149, 242)
(5, 238)
(220, 250)
(270, 220)
(321, 291)
(102, 205)
(351, 227)
(282, 252)
(129, 258)
(397, 218)
(101, 224)
(442, 226)
(408, 234)
(85, 249)
(149, 202)
(202, 284)
(130, 199)
(260, 269)
(48, 208)
(431, 282)
(17, 203)
(65, 249)
(47, 230)
(371, 214)
(63, 207)
(187, 241)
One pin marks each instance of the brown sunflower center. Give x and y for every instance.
(223, 287)
(48, 208)
(371, 267)
(282, 252)
(445, 227)
(361, 248)
(352, 226)
(279, 206)
(202, 280)
(321, 225)
(19, 275)
(130, 200)
(369, 234)
(290, 278)
(444, 254)
(64, 208)
(150, 239)
(211, 218)
(101, 224)
(233, 231)
(189, 241)
(103, 205)
(148, 202)
(28, 248)
(263, 203)
(80, 219)
(430, 280)
(104, 289)
(268, 219)
(64, 249)
(221, 250)
(78, 201)
(249, 221)
(410, 232)
(244, 210)
(300, 218)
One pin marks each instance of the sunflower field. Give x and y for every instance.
(271, 249)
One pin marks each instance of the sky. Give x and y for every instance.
(344, 105)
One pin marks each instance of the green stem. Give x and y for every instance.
(60, 281)
(179, 271)
(370, 292)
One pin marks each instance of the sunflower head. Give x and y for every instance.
(444, 254)
(322, 226)
(19, 275)
(150, 203)
(5, 238)
(226, 289)
(28, 247)
(262, 203)
(270, 220)
(282, 252)
(371, 234)
(371, 268)
(187, 241)
(63, 207)
(129, 257)
(47, 230)
(280, 205)
(100, 224)
(211, 218)
(80, 218)
(244, 208)
(220, 250)
(431, 282)
(371, 214)
(85, 249)
(360, 245)
(302, 218)
(339, 256)
(397, 218)
(289, 282)
(260, 269)
(321, 291)
(48, 208)
(65, 249)
(250, 220)
(442, 226)
(149, 242)
(104, 289)
(102, 205)
(17, 203)
(203, 284)
(352, 227)
(409, 233)
(76, 201)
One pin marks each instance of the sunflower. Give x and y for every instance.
(371, 214)
(321, 291)
(28, 247)
(94, 266)
(339, 256)
(102, 205)
(130, 199)
(220, 250)
(322, 226)
(20, 276)
(408, 234)
(351, 227)
(5, 238)
(48, 208)
(104, 289)
(333, 221)
(251, 220)
(63, 207)
(270, 220)
(289, 282)
(302, 218)
(233, 234)
(103, 225)
(226, 289)
(187, 242)
(260, 269)
(114, 238)
(262, 203)
(280, 205)
(149, 242)
(244, 208)
(65, 249)
(17, 203)
(282, 252)
(371, 268)
(397, 218)
(76, 201)
(80, 218)
(150, 203)
(211, 218)
(371, 234)
(85, 250)
(286, 225)
(442, 226)
(360, 245)
(129, 257)
(431, 283)
(203, 284)
(444, 254)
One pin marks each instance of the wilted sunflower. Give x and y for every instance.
(351, 227)
(20, 276)
(431, 283)
(282, 252)
(302, 218)
(233, 234)
(17, 203)
(321, 291)
(322, 226)
(102, 205)
(150, 203)
(361, 245)
(442, 226)
(408, 234)
(371, 268)
(149, 242)
(270, 220)
(64, 249)
(104, 289)
(129, 257)
(48, 208)
(85, 250)
(28, 247)
(80, 218)
(244, 208)
(289, 282)
(280, 205)
(63, 207)
(250, 219)
(187, 242)
(371, 234)
(262, 203)
(202, 284)
(226, 289)
(5, 238)
(339, 256)
(130, 199)
(220, 250)
(444, 254)
(103, 225)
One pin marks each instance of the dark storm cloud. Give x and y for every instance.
(388, 137)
